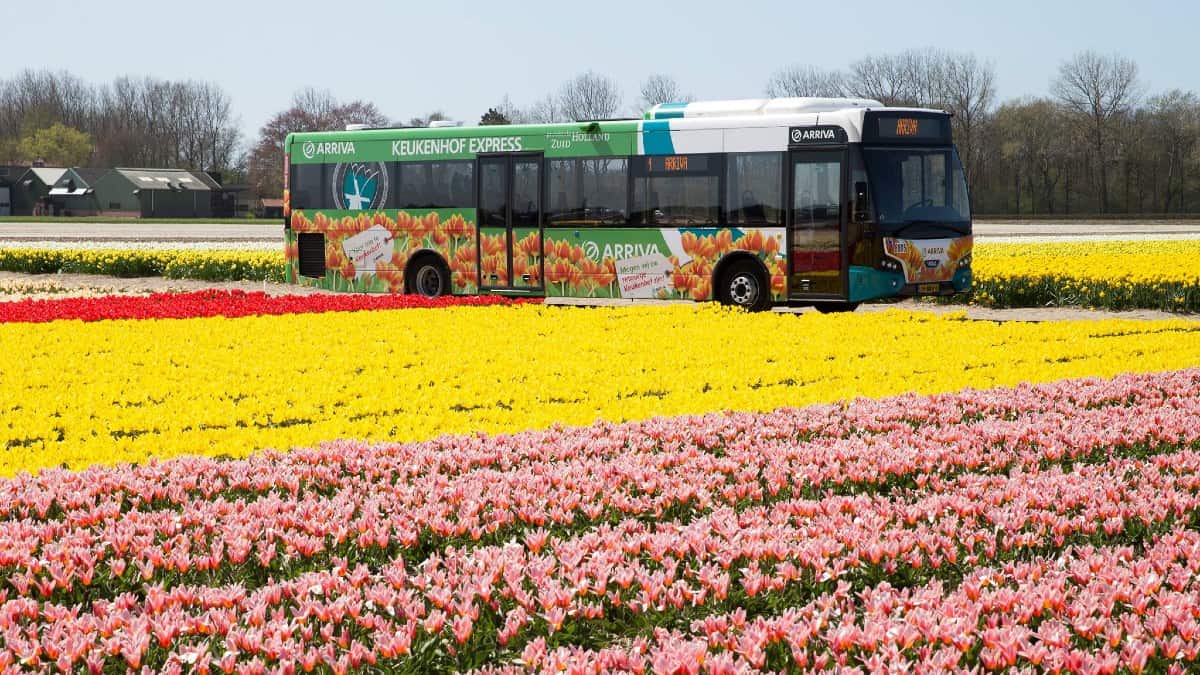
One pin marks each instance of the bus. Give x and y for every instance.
(753, 203)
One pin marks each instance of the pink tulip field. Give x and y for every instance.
(1041, 528)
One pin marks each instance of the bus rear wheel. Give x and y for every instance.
(744, 285)
(429, 277)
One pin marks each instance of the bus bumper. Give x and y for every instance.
(960, 283)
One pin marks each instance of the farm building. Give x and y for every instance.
(31, 190)
(155, 193)
(74, 193)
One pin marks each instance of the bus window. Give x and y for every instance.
(677, 190)
(755, 189)
(413, 189)
(307, 187)
(436, 185)
(587, 192)
(493, 192)
(525, 196)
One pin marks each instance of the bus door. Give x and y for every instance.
(814, 224)
(510, 223)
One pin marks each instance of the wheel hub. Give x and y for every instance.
(429, 281)
(743, 289)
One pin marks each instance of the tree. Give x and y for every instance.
(493, 117)
(311, 110)
(58, 145)
(967, 90)
(1098, 89)
(589, 96)
(435, 116)
(658, 89)
(804, 80)
(909, 78)
(1174, 119)
(1034, 143)
(544, 111)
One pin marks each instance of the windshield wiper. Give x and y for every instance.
(908, 224)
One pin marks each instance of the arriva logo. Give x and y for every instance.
(309, 149)
(592, 250)
(360, 186)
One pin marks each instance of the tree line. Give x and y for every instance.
(1095, 142)
(60, 119)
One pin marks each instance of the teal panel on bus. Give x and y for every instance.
(867, 283)
(656, 137)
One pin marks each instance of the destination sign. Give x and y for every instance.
(910, 127)
(677, 164)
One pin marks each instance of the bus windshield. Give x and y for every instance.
(918, 186)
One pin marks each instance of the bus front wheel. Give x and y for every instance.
(744, 285)
(429, 277)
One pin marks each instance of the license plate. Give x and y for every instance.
(927, 288)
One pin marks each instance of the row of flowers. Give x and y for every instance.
(1113, 275)
(208, 303)
(1108, 274)
(1047, 526)
(106, 392)
(173, 263)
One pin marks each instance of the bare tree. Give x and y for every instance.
(589, 96)
(424, 120)
(1034, 143)
(883, 78)
(805, 80)
(1175, 132)
(311, 110)
(909, 78)
(509, 111)
(658, 89)
(542, 111)
(1099, 89)
(966, 88)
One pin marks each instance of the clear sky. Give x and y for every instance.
(462, 57)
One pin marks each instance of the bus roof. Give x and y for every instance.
(749, 125)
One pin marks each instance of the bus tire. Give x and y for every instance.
(743, 284)
(835, 307)
(428, 276)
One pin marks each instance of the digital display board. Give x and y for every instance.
(908, 127)
(677, 164)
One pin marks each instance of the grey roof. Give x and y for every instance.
(88, 174)
(48, 175)
(83, 177)
(163, 179)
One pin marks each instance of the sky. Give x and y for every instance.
(464, 57)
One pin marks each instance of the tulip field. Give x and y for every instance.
(1118, 275)
(231, 482)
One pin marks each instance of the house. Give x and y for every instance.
(8, 181)
(229, 200)
(154, 193)
(31, 192)
(73, 194)
(270, 208)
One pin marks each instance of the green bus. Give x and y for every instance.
(800, 201)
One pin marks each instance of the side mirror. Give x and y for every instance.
(860, 201)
